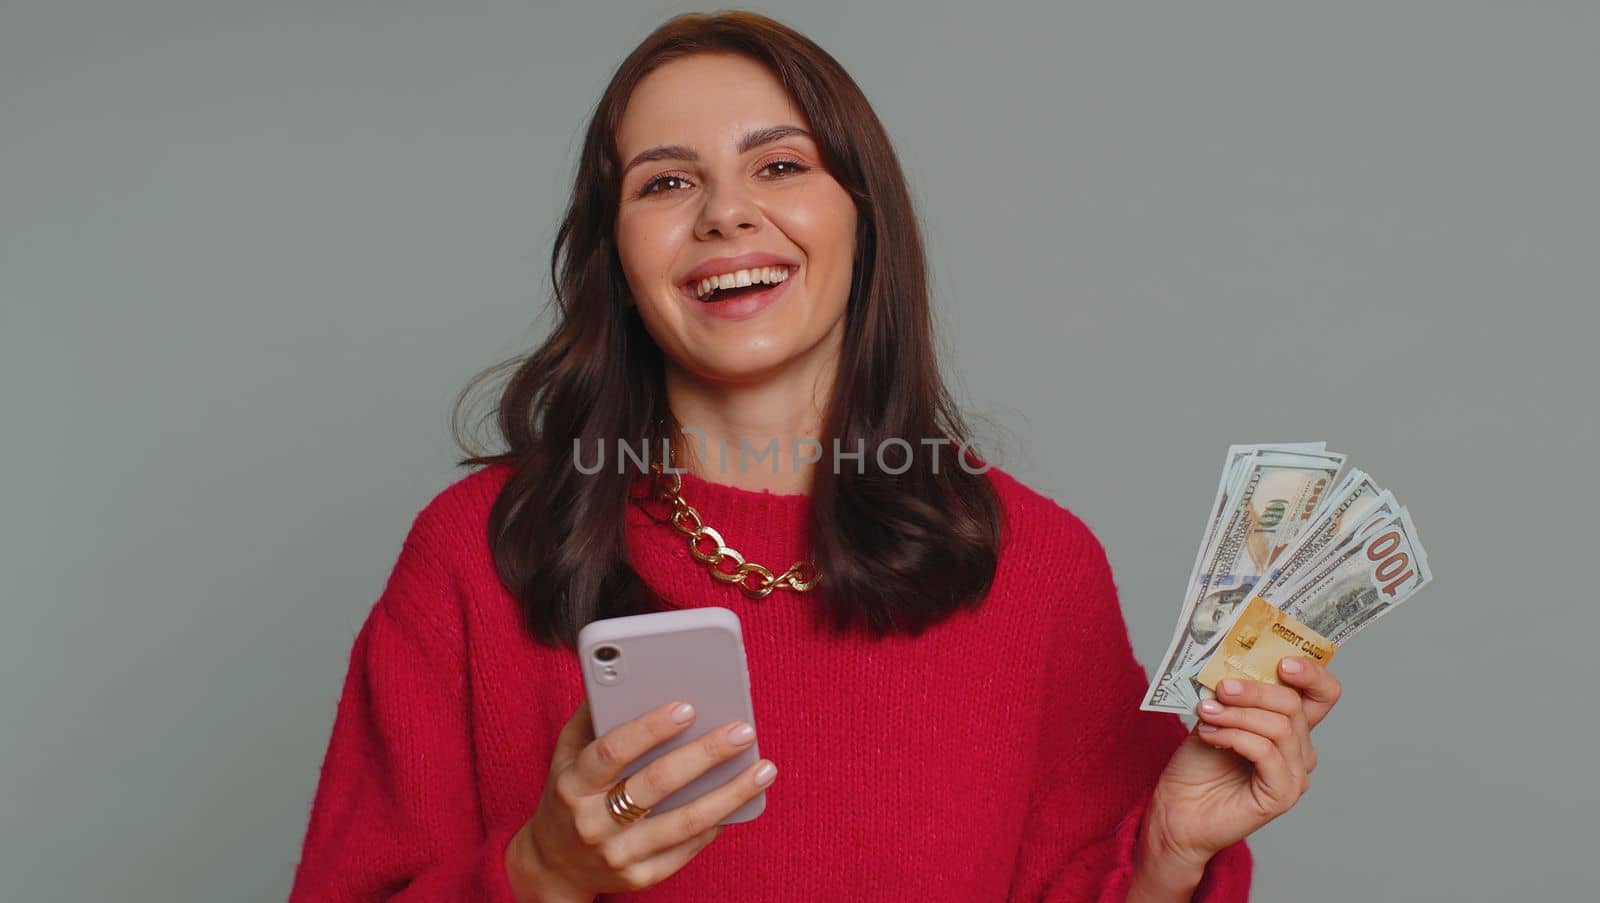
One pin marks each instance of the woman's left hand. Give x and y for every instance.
(1247, 762)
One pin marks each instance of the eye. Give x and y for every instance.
(650, 187)
(657, 184)
(794, 166)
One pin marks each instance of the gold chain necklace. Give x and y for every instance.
(800, 577)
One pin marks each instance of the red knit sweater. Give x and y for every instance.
(1001, 755)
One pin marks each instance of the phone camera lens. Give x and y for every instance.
(606, 654)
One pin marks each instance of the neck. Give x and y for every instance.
(755, 435)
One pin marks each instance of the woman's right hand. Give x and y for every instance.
(572, 849)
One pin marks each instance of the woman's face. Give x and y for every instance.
(719, 164)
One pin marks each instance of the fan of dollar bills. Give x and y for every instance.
(1298, 555)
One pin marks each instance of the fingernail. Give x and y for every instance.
(683, 713)
(1292, 666)
(742, 734)
(1208, 728)
(765, 772)
(1211, 707)
(1231, 687)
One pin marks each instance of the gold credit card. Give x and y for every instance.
(1261, 637)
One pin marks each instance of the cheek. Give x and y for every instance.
(824, 226)
(647, 245)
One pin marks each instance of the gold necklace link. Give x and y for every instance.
(725, 564)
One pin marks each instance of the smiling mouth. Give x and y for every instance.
(739, 284)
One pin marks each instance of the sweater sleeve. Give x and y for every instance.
(1100, 756)
(395, 815)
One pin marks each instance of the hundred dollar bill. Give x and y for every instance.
(1240, 456)
(1297, 585)
(1344, 505)
(1270, 502)
(1363, 582)
(1329, 525)
(1234, 465)
(1343, 512)
(1302, 561)
(1383, 510)
(1356, 501)
(1234, 470)
(1346, 590)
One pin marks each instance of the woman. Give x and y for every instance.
(937, 655)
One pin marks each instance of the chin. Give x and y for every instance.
(745, 366)
(752, 350)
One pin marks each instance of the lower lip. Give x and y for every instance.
(743, 307)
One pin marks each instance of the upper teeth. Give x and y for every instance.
(764, 275)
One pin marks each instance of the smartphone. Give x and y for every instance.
(634, 664)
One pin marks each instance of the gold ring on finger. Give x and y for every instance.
(622, 807)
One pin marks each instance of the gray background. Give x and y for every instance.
(250, 252)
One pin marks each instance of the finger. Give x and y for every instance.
(660, 832)
(1302, 732)
(1281, 729)
(600, 762)
(1279, 788)
(575, 734)
(1275, 726)
(1315, 682)
(663, 777)
(1278, 698)
(653, 870)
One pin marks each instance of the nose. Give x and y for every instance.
(728, 210)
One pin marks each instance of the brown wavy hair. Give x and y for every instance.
(897, 552)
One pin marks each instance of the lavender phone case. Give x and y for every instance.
(694, 654)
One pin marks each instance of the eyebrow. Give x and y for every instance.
(751, 139)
